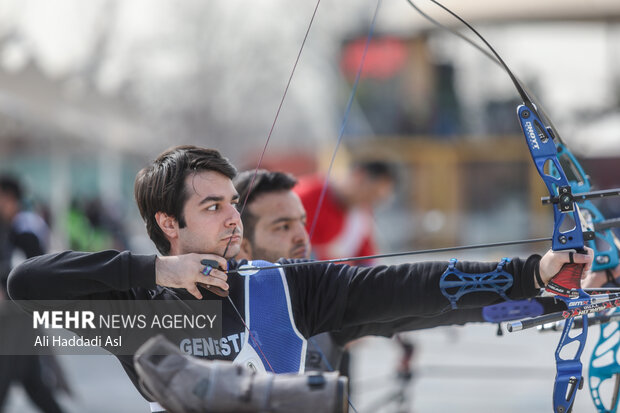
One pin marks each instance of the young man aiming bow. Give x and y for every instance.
(189, 204)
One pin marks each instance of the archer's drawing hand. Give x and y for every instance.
(186, 271)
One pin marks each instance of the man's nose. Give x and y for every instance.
(300, 233)
(234, 217)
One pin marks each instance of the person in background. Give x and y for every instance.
(26, 232)
(274, 222)
(344, 225)
(273, 218)
(25, 235)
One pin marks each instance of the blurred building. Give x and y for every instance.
(90, 95)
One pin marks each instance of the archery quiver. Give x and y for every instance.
(186, 384)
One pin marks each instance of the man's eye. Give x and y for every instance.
(212, 207)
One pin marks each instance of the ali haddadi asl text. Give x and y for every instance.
(77, 341)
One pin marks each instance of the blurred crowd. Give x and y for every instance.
(25, 232)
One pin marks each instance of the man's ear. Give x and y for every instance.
(246, 250)
(168, 224)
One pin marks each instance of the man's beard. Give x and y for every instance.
(231, 250)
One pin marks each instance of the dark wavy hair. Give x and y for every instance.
(160, 187)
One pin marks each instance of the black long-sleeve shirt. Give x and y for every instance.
(324, 297)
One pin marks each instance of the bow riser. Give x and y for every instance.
(544, 153)
(567, 235)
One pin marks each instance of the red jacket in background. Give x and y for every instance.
(338, 232)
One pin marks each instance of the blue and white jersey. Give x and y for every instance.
(268, 314)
